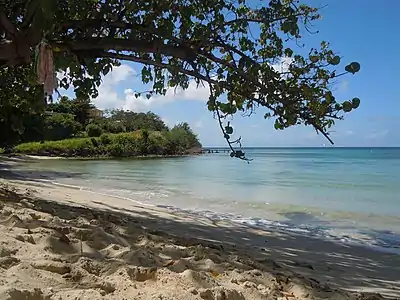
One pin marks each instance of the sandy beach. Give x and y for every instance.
(59, 242)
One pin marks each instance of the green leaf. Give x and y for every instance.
(239, 153)
(228, 129)
(353, 68)
(355, 102)
(335, 60)
(106, 70)
(329, 97)
(288, 52)
(211, 105)
(278, 125)
(347, 106)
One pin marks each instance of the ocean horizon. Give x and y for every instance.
(348, 194)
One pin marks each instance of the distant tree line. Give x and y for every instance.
(75, 118)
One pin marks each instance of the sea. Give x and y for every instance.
(350, 195)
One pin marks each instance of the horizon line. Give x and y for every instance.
(227, 147)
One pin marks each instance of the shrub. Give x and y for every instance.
(68, 147)
(114, 127)
(93, 130)
(60, 126)
(157, 143)
(141, 142)
(95, 143)
(105, 139)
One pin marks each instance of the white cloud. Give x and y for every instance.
(119, 74)
(192, 93)
(111, 95)
(283, 65)
(110, 98)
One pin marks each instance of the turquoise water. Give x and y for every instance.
(348, 194)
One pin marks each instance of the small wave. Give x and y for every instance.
(386, 241)
(89, 190)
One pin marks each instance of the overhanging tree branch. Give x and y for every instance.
(192, 40)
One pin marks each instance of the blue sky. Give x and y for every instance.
(363, 31)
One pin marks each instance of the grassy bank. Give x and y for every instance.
(131, 144)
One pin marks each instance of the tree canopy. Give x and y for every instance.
(228, 45)
(68, 118)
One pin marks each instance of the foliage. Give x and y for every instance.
(18, 99)
(111, 126)
(66, 118)
(132, 121)
(105, 139)
(114, 145)
(93, 130)
(181, 137)
(68, 147)
(60, 126)
(79, 108)
(229, 45)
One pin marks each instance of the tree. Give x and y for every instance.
(181, 137)
(230, 46)
(16, 108)
(93, 130)
(78, 107)
(60, 126)
(133, 121)
(193, 141)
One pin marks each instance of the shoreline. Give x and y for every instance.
(298, 256)
(363, 237)
(23, 157)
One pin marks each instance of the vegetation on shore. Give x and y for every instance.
(130, 144)
(68, 128)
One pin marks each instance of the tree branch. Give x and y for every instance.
(31, 7)
(138, 46)
(9, 28)
(261, 20)
(158, 64)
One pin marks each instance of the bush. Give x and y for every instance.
(93, 130)
(130, 144)
(114, 127)
(68, 147)
(95, 143)
(105, 139)
(157, 143)
(60, 126)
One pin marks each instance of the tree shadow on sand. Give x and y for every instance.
(90, 243)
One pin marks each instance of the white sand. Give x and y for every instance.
(63, 243)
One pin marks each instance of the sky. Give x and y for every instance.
(359, 30)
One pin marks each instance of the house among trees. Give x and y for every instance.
(95, 113)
